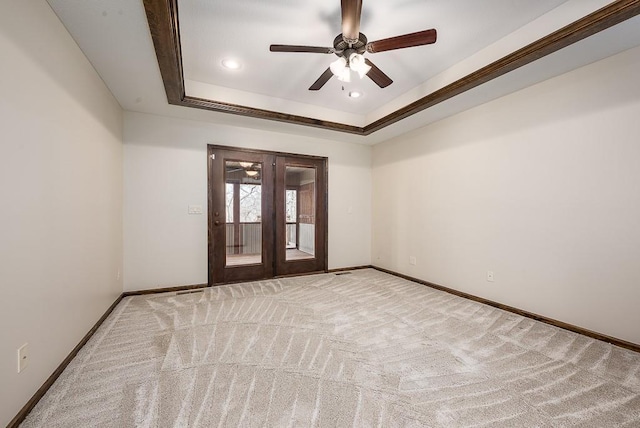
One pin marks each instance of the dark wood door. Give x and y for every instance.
(240, 215)
(267, 214)
(301, 220)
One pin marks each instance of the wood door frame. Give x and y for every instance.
(211, 192)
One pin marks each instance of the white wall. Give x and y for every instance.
(165, 171)
(541, 187)
(61, 193)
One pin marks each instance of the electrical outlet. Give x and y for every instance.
(412, 260)
(23, 357)
(118, 275)
(490, 275)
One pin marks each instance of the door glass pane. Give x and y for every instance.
(243, 186)
(300, 214)
(229, 202)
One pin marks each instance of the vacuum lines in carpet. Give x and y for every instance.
(361, 350)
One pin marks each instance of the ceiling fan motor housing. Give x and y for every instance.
(341, 46)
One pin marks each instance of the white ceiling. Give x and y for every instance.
(115, 37)
(211, 30)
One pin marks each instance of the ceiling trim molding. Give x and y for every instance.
(162, 17)
(164, 25)
(221, 106)
(610, 15)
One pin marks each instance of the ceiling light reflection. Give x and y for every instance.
(231, 64)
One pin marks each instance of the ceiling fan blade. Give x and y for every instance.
(324, 78)
(377, 75)
(419, 38)
(293, 48)
(351, 12)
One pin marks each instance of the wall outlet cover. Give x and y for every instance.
(23, 357)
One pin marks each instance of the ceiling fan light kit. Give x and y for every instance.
(358, 64)
(350, 46)
(339, 69)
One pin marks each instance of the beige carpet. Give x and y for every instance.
(364, 349)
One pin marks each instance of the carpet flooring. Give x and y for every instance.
(365, 349)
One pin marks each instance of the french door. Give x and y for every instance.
(267, 214)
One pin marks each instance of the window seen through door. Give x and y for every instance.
(300, 209)
(243, 212)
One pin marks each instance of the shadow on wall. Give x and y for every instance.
(66, 65)
(144, 129)
(579, 93)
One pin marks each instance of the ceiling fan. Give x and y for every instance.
(352, 44)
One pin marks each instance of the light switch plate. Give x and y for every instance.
(195, 209)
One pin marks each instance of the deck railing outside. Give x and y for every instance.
(250, 238)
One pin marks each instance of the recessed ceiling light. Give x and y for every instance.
(231, 64)
(355, 94)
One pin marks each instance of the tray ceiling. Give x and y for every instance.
(472, 35)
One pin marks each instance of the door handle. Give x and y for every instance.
(217, 223)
